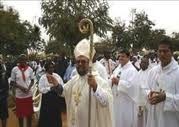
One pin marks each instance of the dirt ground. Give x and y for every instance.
(13, 121)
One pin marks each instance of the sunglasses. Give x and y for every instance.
(81, 61)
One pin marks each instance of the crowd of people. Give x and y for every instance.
(131, 91)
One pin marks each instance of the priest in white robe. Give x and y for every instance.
(125, 109)
(141, 91)
(163, 96)
(76, 93)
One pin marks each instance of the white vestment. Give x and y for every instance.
(101, 103)
(109, 65)
(141, 95)
(125, 109)
(166, 113)
(152, 63)
(101, 70)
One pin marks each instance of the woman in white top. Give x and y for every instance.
(50, 112)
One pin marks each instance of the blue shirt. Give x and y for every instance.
(68, 72)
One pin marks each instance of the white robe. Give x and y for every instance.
(109, 65)
(166, 113)
(141, 95)
(101, 103)
(125, 109)
(152, 64)
(97, 66)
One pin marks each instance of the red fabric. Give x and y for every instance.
(24, 107)
(23, 69)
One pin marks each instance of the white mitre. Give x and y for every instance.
(83, 49)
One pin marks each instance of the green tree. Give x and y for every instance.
(55, 47)
(156, 36)
(175, 35)
(121, 36)
(16, 35)
(141, 28)
(34, 40)
(137, 35)
(175, 40)
(61, 18)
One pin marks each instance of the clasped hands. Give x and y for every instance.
(51, 79)
(115, 80)
(56, 86)
(24, 89)
(155, 97)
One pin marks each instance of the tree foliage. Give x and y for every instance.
(141, 29)
(139, 33)
(175, 40)
(156, 36)
(61, 18)
(16, 35)
(55, 47)
(121, 37)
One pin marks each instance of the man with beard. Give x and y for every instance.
(76, 92)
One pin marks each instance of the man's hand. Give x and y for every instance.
(92, 82)
(115, 81)
(156, 97)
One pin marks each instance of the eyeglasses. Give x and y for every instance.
(81, 61)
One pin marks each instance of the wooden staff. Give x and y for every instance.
(86, 26)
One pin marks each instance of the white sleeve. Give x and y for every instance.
(60, 81)
(104, 73)
(101, 96)
(172, 100)
(43, 87)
